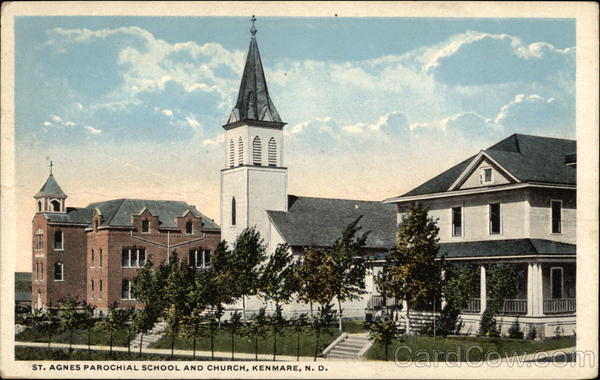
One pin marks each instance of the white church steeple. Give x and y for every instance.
(253, 179)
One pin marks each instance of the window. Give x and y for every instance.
(59, 271)
(495, 218)
(240, 151)
(145, 226)
(256, 151)
(556, 216)
(189, 227)
(100, 258)
(58, 240)
(233, 211)
(133, 257)
(487, 175)
(55, 205)
(41, 271)
(39, 239)
(37, 271)
(457, 221)
(39, 206)
(272, 152)
(556, 278)
(100, 290)
(92, 258)
(126, 293)
(199, 258)
(231, 153)
(92, 289)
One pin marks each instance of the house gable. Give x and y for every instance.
(485, 173)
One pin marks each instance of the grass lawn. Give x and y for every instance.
(462, 348)
(29, 353)
(98, 337)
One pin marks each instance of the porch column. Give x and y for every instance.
(535, 290)
(530, 269)
(482, 289)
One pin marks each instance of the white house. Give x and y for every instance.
(514, 202)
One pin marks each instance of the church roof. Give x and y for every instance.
(528, 158)
(318, 222)
(118, 212)
(50, 188)
(254, 102)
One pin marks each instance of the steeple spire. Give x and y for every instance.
(51, 165)
(253, 102)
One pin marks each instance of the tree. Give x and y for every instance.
(500, 285)
(412, 272)
(211, 327)
(192, 327)
(128, 319)
(88, 321)
(348, 267)
(383, 331)
(114, 321)
(299, 324)
(257, 329)
(320, 322)
(277, 322)
(47, 322)
(313, 275)
(247, 256)
(459, 287)
(69, 317)
(148, 289)
(233, 325)
(179, 285)
(277, 280)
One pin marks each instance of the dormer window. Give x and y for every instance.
(145, 226)
(487, 176)
(189, 227)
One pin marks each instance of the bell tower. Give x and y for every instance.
(50, 198)
(253, 179)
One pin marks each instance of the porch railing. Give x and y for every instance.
(510, 306)
(376, 302)
(561, 305)
(474, 306)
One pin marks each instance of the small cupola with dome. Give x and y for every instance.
(50, 198)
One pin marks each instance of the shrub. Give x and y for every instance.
(532, 333)
(515, 332)
(487, 326)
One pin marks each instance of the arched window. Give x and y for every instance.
(240, 151)
(272, 152)
(231, 153)
(39, 239)
(39, 299)
(256, 151)
(55, 205)
(59, 271)
(233, 212)
(189, 227)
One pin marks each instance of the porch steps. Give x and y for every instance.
(150, 337)
(419, 321)
(349, 348)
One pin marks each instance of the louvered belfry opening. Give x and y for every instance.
(256, 151)
(231, 153)
(272, 152)
(240, 151)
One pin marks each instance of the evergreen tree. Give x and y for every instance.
(459, 287)
(412, 273)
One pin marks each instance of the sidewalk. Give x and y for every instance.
(200, 355)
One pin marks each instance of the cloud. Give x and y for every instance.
(477, 58)
(92, 130)
(215, 141)
(57, 123)
(167, 112)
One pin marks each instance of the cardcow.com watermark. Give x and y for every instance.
(463, 357)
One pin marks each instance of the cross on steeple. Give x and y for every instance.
(51, 165)
(253, 28)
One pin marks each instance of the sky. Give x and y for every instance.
(132, 107)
